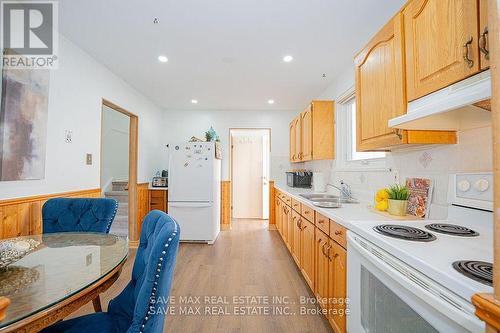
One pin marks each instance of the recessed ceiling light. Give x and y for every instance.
(287, 58)
(271, 101)
(194, 101)
(162, 58)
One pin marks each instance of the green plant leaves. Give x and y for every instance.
(398, 192)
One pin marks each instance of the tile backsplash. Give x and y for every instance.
(472, 153)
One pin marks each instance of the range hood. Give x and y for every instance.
(463, 105)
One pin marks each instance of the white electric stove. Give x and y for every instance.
(415, 276)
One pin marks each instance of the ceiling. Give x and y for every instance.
(227, 54)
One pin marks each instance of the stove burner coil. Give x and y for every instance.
(452, 229)
(404, 232)
(480, 271)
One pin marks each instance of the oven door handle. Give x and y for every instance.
(465, 318)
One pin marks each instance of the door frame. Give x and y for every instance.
(231, 158)
(132, 169)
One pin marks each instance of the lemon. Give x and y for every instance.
(382, 205)
(382, 195)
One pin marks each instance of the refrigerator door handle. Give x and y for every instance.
(190, 204)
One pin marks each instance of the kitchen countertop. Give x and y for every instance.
(349, 215)
(150, 187)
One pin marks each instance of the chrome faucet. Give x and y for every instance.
(345, 191)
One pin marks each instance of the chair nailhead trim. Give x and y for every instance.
(153, 292)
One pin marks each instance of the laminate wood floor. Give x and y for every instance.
(247, 261)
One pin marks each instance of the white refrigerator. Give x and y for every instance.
(194, 190)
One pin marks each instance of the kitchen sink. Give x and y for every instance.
(319, 197)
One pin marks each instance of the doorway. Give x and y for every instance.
(118, 171)
(250, 167)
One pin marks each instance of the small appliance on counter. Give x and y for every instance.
(160, 181)
(299, 178)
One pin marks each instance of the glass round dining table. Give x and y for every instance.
(64, 272)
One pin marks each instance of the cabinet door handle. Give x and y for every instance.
(399, 133)
(338, 232)
(468, 60)
(323, 249)
(483, 42)
(321, 221)
(328, 252)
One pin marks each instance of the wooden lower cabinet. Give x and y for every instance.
(158, 199)
(320, 256)
(286, 221)
(296, 247)
(277, 212)
(337, 286)
(322, 264)
(307, 249)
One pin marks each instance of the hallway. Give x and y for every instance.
(249, 260)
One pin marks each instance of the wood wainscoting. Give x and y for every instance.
(23, 216)
(142, 207)
(272, 208)
(225, 205)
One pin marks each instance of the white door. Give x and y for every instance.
(250, 167)
(191, 172)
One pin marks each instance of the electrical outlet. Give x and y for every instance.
(89, 159)
(88, 259)
(396, 176)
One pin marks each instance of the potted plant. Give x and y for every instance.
(398, 199)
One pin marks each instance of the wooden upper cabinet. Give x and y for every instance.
(298, 139)
(441, 39)
(484, 45)
(312, 133)
(381, 95)
(292, 141)
(380, 88)
(323, 130)
(307, 134)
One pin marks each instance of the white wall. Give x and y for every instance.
(180, 126)
(115, 143)
(473, 153)
(75, 94)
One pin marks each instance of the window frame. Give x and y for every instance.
(344, 138)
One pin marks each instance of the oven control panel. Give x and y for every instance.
(472, 189)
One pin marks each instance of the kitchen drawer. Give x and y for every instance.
(338, 233)
(322, 222)
(157, 194)
(154, 206)
(308, 213)
(296, 206)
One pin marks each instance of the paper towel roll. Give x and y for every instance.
(319, 184)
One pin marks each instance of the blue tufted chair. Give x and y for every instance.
(141, 306)
(78, 215)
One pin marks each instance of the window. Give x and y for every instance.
(356, 155)
(348, 157)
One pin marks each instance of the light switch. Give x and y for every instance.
(68, 136)
(89, 159)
